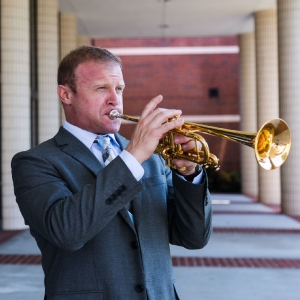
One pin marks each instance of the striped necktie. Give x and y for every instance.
(106, 147)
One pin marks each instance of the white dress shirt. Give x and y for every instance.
(88, 138)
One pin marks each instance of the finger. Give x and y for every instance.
(187, 143)
(181, 139)
(162, 115)
(179, 162)
(167, 126)
(153, 116)
(150, 111)
(158, 131)
(151, 105)
(184, 167)
(158, 121)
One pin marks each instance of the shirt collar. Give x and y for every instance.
(86, 137)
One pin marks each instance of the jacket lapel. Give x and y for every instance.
(69, 144)
(121, 141)
(124, 213)
(72, 146)
(136, 202)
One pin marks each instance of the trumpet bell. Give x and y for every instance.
(272, 144)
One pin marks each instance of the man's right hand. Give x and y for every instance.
(151, 127)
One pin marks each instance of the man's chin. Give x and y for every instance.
(111, 130)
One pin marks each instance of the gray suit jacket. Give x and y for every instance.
(76, 212)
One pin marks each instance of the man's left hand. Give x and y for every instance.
(185, 167)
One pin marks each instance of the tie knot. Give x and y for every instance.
(103, 141)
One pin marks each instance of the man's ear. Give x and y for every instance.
(64, 93)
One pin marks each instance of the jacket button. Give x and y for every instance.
(108, 201)
(139, 288)
(134, 245)
(122, 188)
(113, 196)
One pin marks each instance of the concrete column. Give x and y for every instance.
(248, 106)
(267, 94)
(48, 57)
(15, 99)
(68, 40)
(68, 33)
(289, 80)
(83, 40)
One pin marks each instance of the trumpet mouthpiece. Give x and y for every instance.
(114, 114)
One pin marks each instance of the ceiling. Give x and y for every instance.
(163, 18)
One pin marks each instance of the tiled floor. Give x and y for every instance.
(19, 259)
(7, 235)
(235, 262)
(254, 253)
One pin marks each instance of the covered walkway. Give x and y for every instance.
(254, 254)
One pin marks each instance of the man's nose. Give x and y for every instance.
(113, 98)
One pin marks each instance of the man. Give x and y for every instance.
(104, 229)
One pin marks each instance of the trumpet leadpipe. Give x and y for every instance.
(114, 114)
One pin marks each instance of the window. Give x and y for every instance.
(213, 93)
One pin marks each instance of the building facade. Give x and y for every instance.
(231, 82)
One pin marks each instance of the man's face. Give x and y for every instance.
(99, 89)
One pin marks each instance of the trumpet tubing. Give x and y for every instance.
(271, 143)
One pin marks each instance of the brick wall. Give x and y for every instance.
(185, 82)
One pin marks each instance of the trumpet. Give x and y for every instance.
(271, 143)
